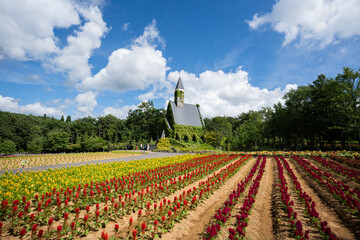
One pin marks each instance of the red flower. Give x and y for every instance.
(86, 217)
(50, 221)
(163, 218)
(22, 232)
(117, 227)
(131, 221)
(156, 222)
(34, 227)
(104, 235)
(40, 233)
(169, 213)
(87, 208)
(143, 227)
(134, 234)
(66, 215)
(20, 214)
(59, 228)
(72, 225)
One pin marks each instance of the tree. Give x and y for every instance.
(144, 122)
(93, 144)
(62, 118)
(215, 139)
(251, 131)
(68, 119)
(35, 145)
(57, 141)
(350, 81)
(7, 147)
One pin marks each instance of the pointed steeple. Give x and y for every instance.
(179, 94)
(179, 84)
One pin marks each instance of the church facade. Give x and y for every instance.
(183, 121)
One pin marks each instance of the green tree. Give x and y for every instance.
(350, 81)
(215, 139)
(35, 145)
(57, 141)
(93, 144)
(7, 147)
(251, 131)
(144, 122)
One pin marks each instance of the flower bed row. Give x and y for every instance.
(288, 204)
(338, 168)
(242, 218)
(156, 221)
(33, 160)
(310, 209)
(29, 183)
(224, 213)
(124, 195)
(342, 192)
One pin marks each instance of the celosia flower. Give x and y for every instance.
(22, 233)
(51, 220)
(143, 227)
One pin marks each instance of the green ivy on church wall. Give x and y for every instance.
(188, 133)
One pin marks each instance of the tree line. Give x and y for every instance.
(322, 115)
(44, 134)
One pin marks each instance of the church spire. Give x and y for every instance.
(179, 94)
(179, 85)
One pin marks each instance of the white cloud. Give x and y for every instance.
(126, 26)
(226, 94)
(322, 21)
(86, 102)
(121, 112)
(26, 29)
(75, 56)
(27, 32)
(130, 69)
(11, 105)
(49, 89)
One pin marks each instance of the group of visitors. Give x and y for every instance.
(143, 147)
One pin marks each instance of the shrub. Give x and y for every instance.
(164, 144)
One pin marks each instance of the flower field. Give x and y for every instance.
(13, 162)
(224, 196)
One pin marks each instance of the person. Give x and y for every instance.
(23, 163)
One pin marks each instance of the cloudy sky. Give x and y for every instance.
(80, 58)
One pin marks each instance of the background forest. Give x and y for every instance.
(322, 115)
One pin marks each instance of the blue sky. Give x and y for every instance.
(80, 58)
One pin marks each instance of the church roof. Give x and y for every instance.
(179, 84)
(188, 115)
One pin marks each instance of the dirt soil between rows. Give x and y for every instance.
(260, 222)
(195, 224)
(325, 212)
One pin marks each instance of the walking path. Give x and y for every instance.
(124, 159)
